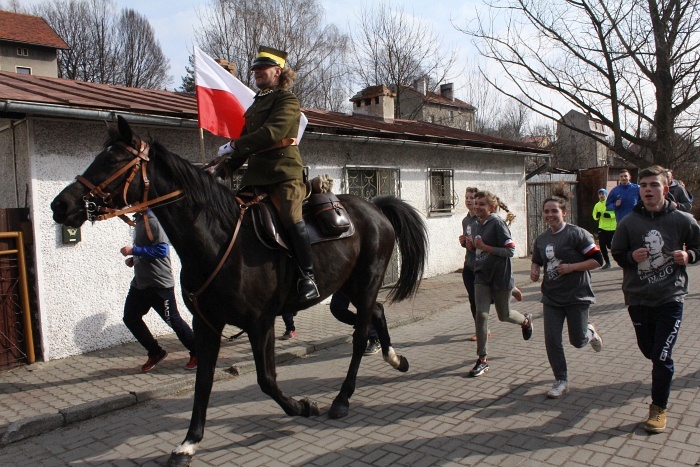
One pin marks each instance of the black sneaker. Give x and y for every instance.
(606, 266)
(527, 328)
(373, 347)
(481, 367)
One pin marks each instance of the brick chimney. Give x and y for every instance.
(448, 91)
(374, 101)
(228, 66)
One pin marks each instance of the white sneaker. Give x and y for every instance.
(559, 388)
(594, 338)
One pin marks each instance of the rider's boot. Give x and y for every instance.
(306, 286)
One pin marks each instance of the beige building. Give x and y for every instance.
(577, 149)
(417, 103)
(28, 45)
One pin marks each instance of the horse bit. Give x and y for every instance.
(95, 212)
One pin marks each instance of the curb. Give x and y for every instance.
(40, 424)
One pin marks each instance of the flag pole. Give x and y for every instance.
(201, 145)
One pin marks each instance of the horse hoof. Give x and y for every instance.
(403, 366)
(179, 460)
(338, 410)
(310, 408)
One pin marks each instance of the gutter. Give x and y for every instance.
(53, 110)
(405, 142)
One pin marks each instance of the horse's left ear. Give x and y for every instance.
(125, 130)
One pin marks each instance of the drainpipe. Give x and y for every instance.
(51, 110)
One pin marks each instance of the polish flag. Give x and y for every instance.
(222, 99)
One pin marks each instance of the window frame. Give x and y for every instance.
(446, 201)
(28, 68)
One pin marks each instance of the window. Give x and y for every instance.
(23, 51)
(442, 199)
(23, 70)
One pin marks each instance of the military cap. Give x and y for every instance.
(267, 56)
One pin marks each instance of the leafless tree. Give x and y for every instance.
(486, 99)
(514, 119)
(12, 5)
(632, 64)
(395, 49)
(234, 29)
(143, 64)
(103, 50)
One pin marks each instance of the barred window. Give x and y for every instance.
(441, 186)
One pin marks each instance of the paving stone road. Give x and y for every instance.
(431, 415)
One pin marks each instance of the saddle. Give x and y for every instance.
(325, 217)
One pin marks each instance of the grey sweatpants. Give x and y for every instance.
(577, 323)
(501, 300)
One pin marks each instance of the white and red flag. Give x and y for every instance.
(222, 99)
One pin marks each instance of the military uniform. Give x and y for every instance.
(273, 117)
(268, 143)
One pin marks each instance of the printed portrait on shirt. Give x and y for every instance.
(658, 264)
(552, 262)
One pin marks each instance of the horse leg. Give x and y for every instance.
(341, 403)
(262, 342)
(208, 343)
(390, 356)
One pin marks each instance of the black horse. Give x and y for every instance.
(255, 283)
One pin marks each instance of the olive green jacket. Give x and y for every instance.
(273, 117)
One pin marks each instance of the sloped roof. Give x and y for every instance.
(437, 98)
(81, 95)
(28, 29)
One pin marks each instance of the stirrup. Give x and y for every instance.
(307, 289)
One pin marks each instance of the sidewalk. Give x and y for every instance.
(432, 415)
(44, 396)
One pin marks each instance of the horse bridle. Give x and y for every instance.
(107, 208)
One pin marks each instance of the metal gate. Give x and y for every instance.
(16, 334)
(368, 183)
(537, 192)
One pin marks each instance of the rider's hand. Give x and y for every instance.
(129, 261)
(225, 149)
(127, 250)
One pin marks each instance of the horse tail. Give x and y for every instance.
(412, 237)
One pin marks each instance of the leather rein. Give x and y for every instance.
(139, 163)
(192, 297)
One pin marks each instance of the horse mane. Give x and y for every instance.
(202, 191)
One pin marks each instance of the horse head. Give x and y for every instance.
(116, 178)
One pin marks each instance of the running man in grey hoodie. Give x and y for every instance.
(653, 244)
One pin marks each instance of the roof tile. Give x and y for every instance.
(82, 95)
(28, 29)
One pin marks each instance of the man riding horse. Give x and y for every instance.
(268, 143)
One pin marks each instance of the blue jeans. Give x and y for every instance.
(657, 332)
(288, 319)
(139, 302)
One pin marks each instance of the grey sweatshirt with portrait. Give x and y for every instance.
(658, 279)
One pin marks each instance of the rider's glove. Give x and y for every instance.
(226, 149)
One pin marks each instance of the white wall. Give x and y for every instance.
(82, 287)
(503, 175)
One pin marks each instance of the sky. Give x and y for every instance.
(174, 22)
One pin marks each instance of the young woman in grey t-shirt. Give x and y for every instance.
(567, 253)
(493, 249)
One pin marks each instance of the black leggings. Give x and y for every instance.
(139, 302)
